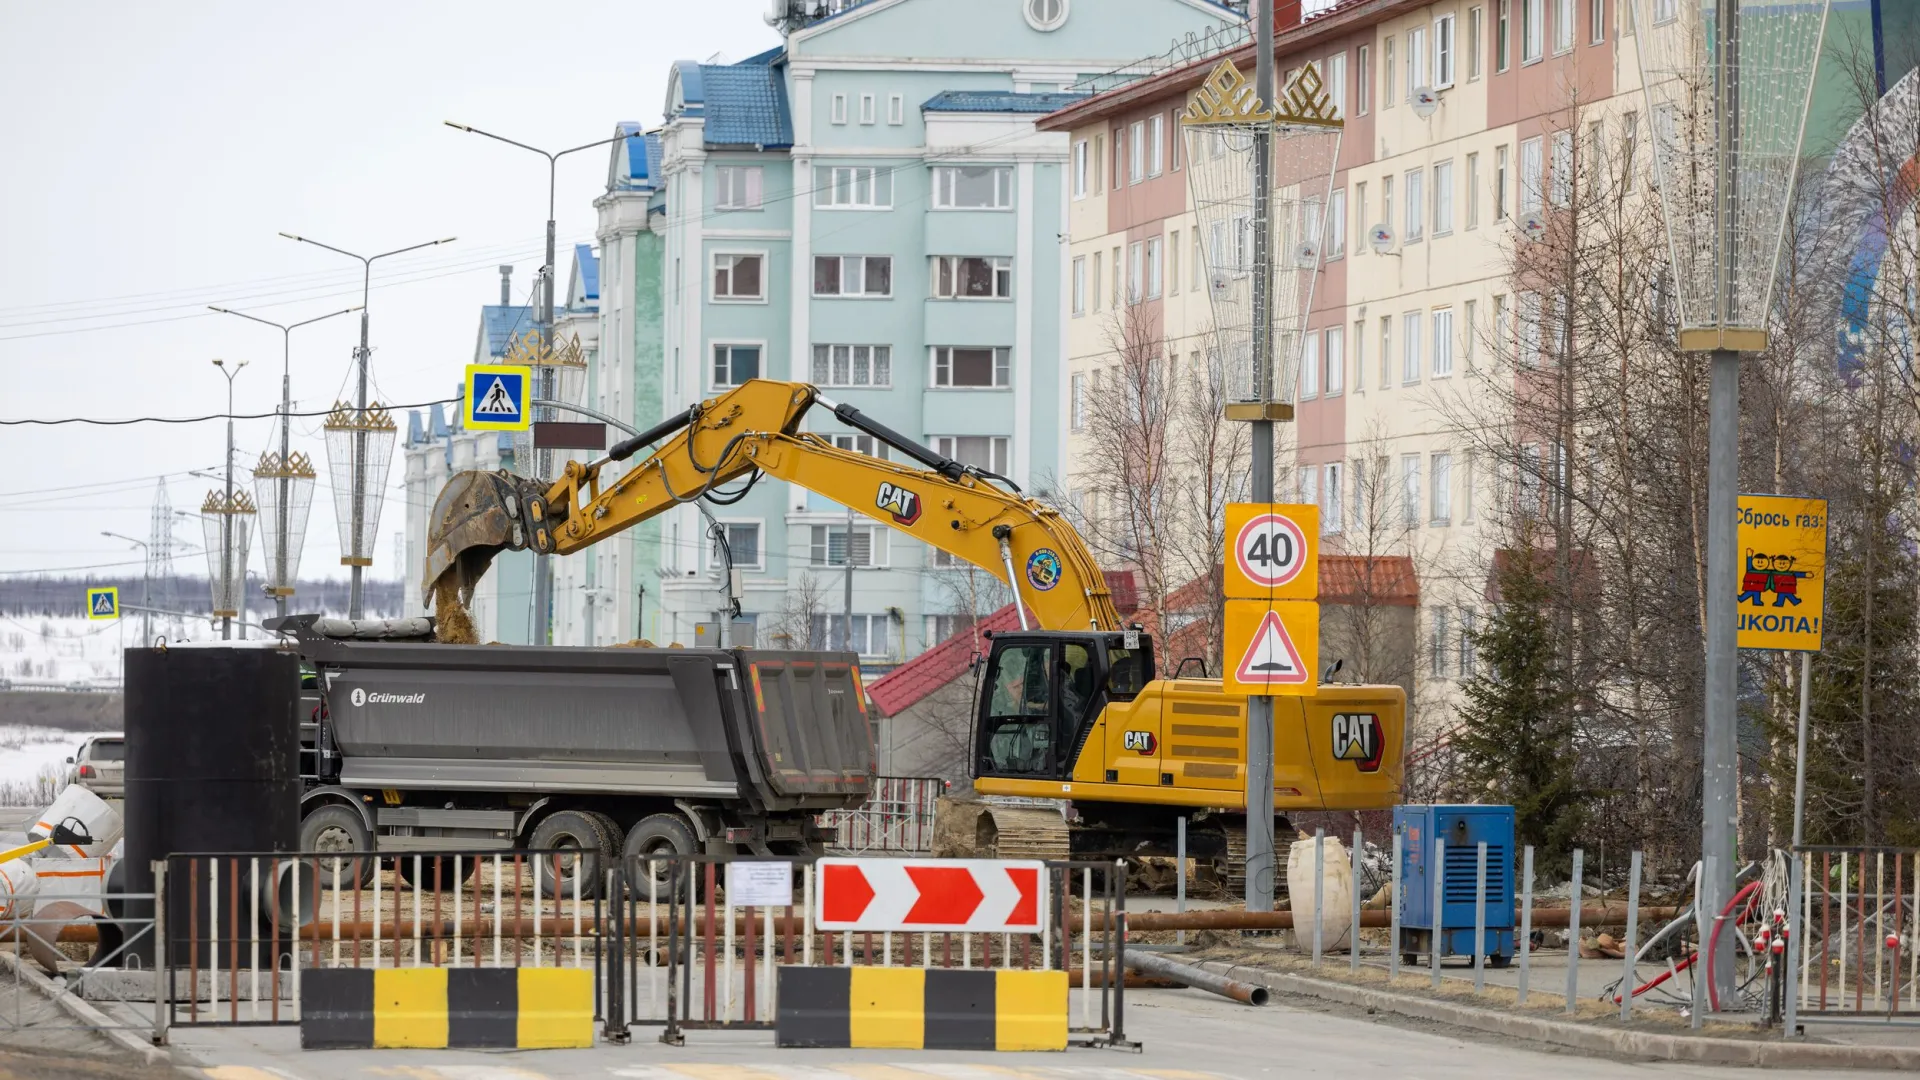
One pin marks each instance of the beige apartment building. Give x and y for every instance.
(1401, 325)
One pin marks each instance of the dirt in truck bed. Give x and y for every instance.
(453, 624)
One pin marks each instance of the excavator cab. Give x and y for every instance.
(1042, 694)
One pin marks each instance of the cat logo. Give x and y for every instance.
(1140, 742)
(904, 505)
(1356, 738)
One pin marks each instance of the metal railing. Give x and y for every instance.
(897, 817)
(1858, 909)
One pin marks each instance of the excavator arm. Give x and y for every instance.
(754, 430)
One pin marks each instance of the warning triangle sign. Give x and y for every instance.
(1271, 658)
(497, 401)
(103, 603)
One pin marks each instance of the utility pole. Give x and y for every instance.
(1259, 794)
(846, 633)
(146, 584)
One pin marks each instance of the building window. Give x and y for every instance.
(1079, 285)
(1360, 215)
(1362, 81)
(1386, 73)
(1359, 471)
(1562, 168)
(852, 187)
(1336, 360)
(839, 108)
(1529, 329)
(1596, 21)
(1416, 205)
(1442, 342)
(865, 634)
(1443, 52)
(1116, 277)
(1386, 351)
(1665, 11)
(739, 277)
(1410, 343)
(1443, 198)
(1133, 272)
(735, 364)
(1469, 653)
(853, 365)
(955, 366)
(1502, 33)
(941, 627)
(896, 109)
(1386, 201)
(1563, 18)
(742, 544)
(1099, 161)
(1077, 389)
(867, 111)
(1137, 152)
(1310, 367)
(737, 187)
(1473, 43)
(1199, 261)
(1500, 170)
(968, 277)
(985, 452)
(1046, 15)
(1472, 331)
(1359, 354)
(1533, 30)
(1153, 267)
(1418, 77)
(859, 444)
(1473, 191)
(1530, 178)
(1173, 140)
(1097, 294)
(1502, 328)
(1080, 164)
(828, 545)
(1439, 643)
(1173, 261)
(853, 275)
(1307, 480)
(1331, 516)
(1410, 490)
(1156, 145)
(972, 187)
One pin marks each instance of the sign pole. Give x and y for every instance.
(1259, 793)
(1800, 757)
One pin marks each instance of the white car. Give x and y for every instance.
(100, 765)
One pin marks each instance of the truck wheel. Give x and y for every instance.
(592, 850)
(660, 837)
(615, 834)
(436, 874)
(331, 829)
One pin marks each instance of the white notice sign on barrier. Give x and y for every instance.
(760, 884)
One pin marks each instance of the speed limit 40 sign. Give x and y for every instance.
(1273, 551)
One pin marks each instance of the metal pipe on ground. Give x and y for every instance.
(1229, 919)
(1159, 967)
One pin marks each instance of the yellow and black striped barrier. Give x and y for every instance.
(921, 1009)
(437, 1008)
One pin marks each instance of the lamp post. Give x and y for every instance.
(356, 554)
(543, 327)
(286, 476)
(146, 583)
(1726, 155)
(226, 594)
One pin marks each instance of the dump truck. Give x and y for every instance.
(411, 745)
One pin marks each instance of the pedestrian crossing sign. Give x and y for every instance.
(103, 603)
(499, 397)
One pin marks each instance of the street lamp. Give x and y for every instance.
(358, 428)
(223, 523)
(1726, 152)
(146, 584)
(283, 483)
(543, 569)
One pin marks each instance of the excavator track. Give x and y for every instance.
(1018, 833)
(1234, 879)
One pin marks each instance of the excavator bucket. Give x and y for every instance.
(477, 516)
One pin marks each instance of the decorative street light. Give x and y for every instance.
(1260, 211)
(1727, 84)
(283, 482)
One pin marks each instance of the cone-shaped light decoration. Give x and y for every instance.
(1222, 122)
(1727, 85)
(228, 526)
(359, 449)
(283, 524)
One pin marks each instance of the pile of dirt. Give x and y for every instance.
(956, 826)
(453, 624)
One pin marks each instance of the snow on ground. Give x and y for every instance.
(33, 762)
(50, 652)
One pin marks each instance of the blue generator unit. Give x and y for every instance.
(1463, 828)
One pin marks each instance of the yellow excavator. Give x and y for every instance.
(1069, 709)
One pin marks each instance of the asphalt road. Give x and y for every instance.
(1187, 1035)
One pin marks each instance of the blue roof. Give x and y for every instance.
(636, 162)
(416, 428)
(501, 324)
(745, 104)
(587, 265)
(998, 101)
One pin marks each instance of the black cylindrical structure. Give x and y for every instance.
(213, 764)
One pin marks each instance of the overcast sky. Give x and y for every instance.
(151, 153)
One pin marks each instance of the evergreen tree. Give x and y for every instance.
(1516, 738)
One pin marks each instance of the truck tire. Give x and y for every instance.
(659, 836)
(330, 828)
(436, 873)
(615, 834)
(583, 832)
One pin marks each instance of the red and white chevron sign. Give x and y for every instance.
(977, 895)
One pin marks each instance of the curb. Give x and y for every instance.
(1635, 1044)
(95, 1020)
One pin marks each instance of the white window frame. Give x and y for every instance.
(1155, 267)
(1438, 642)
(999, 268)
(869, 109)
(732, 343)
(940, 357)
(1410, 504)
(842, 293)
(1443, 198)
(1416, 197)
(1173, 259)
(1469, 331)
(1412, 330)
(1502, 35)
(839, 108)
(1362, 80)
(1081, 152)
(876, 357)
(1156, 144)
(1565, 22)
(1476, 22)
(750, 179)
(1079, 286)
(1596, 21)
(1336, 82)
(896, 109)
(946, 187)
(1665, 11)
(1136, 152)
(1359, 356)
(1307, 484)
(1473, 191)
(854, 442)
(1532, 176)
(879, 551)
(1440, 487)
(827, 187)
(1560, 183)
(1077, 401)
(1502, 170)
(1533, 31)
(758, 525)
(1443, 52)
(1442, 360)
(713, 273)
(1332, 513)
(1135, 271)
(1387, 81)
(1528, 314)
(1336, 239)
(1334, 362)
(1418, 77)
(999, 449)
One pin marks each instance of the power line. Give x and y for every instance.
(200, 419)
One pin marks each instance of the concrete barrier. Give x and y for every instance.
(921, 1009)
(446, 1008)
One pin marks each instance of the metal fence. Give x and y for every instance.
(1860, 909)
(897, 817)
(46, 929)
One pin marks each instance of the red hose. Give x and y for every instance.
(1713, 940)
